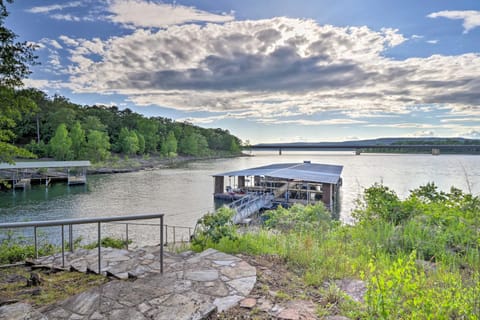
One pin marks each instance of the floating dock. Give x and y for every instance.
(23, 174)
(285, 183)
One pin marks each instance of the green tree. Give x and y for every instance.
(141, 143)
(93, 123)
(77, 134)
(169, 147)
(128, 141)
(148, 128)
(188, 145)
(12, 108)
(15, 57)
(61, 143)
(98, 146)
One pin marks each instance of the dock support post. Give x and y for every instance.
(280, 151)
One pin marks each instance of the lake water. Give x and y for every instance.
(184, 193)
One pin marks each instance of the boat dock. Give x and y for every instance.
(279, 184)
(22, 174)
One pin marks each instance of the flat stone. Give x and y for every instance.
(243, 285)
(83, 303)
(356, 289)
(75, 316)
(96, 316)
(143, 307)
(288, 314)
(202, 275)
(127, 313)
(20, 311)
(192, 286)
(239, 270)
(248, 303)
(218, 289)
(227, 302)
(223, 262)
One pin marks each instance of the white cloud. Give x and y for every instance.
(416, 37)
(473, 134)
(54, 7)
(424, 133)
(432, 41)
(274, 70)
(471, 18)
(140, 13)
(65, 17)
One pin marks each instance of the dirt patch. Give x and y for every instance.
(278, 293)
(41, 287)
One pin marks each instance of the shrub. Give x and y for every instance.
(212, 227)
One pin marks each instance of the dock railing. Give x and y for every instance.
(98, 220)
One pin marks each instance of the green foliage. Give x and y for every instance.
(15, 56)
(379, 202)
(15, 249)
(77, 134)
(299, 218)
(12, 108)
(404, 291)
(169, 147)
(98, 146)
(109, 242)
(128, 142)
(61, 144)
(213, 227)
(420, 257)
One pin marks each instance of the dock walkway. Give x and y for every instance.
(250, 204)
(192, 286)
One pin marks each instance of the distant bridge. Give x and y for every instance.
(359, 148)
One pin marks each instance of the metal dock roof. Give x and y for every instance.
(306, 171)
(45, 164)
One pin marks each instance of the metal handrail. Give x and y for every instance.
(98, 221)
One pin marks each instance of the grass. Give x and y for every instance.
(54, 286)
(419, 257)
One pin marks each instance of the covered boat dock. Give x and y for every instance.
(288, 183)
(21, 174)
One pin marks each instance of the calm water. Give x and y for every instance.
(184, 194)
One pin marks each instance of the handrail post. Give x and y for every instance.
(166, 234)
(35, 241)
(63, 246)
(126, 232)
(70, 236)
(161, 244)
(99, 250)
(173, 234)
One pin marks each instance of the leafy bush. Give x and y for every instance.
(298, 217)
(213, 227)
(109, 242)
(18, 249)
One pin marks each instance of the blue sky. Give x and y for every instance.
(269, 71)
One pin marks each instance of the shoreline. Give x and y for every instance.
(152, 163)
(122, 165)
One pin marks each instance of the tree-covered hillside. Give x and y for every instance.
(55, 127)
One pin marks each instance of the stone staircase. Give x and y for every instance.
(193, 286)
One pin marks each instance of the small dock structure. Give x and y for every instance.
(23, 173)
(285, 183)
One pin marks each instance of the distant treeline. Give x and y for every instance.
(459, 145)
(55, 127)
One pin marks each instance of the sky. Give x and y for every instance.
(267, 70)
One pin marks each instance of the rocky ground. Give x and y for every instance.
(280, 293)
